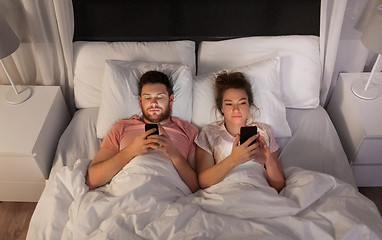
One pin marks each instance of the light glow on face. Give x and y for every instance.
(155, 103)
(235, 106)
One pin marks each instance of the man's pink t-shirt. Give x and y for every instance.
(123, 132)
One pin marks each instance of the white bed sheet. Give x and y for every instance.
(314, 144)
(149, 201)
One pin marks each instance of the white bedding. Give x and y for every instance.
(314, 144)
(147, 199)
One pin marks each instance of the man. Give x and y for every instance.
(127, 137)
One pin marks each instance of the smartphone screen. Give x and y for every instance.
(247, 132)
(149, 126)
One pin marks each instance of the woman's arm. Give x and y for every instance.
(210, 174)
(275, 173)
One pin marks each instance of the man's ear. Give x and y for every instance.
(171, 99)
(140, 100)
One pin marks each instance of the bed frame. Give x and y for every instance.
(200, 20)
(197, 20)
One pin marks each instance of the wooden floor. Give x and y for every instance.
(14, 219)
(374, 194)
(15, 216)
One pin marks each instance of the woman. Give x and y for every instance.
(218, 149)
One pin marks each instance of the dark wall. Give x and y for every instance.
(117, 20)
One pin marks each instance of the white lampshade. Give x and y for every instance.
(8, 44)
(372, 39)
(8, 39)
(372, 34)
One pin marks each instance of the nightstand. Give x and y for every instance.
(29, 133)
(359, 126)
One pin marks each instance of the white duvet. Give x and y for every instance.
(148, 200)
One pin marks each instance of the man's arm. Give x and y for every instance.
(187, 173)
(105, 166)
(107, 163)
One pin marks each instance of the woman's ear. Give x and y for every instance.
(221, 111)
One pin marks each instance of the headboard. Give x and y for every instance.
(99, 22)
(197, 20)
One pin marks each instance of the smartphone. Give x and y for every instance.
(247, 132)
(149, 126)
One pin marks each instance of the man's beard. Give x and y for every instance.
(156, 118)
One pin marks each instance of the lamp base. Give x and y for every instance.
(13, 98)
(358, 89)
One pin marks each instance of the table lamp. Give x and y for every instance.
(8, 44)
(372, 39)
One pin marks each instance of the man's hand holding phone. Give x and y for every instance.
(149, 126)
(162, 142)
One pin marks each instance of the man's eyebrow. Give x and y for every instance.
(148, 94)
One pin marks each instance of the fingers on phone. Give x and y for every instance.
(149, 132)
(252, 139)
(161, 129)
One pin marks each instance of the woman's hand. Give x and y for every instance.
(263, 153)
(244, 152)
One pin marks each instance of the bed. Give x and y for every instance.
(147, 199)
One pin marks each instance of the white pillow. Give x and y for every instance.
(120, 91)
(89, 62)
(264, 78)
(300, 66)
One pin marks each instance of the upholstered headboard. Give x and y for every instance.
(153, 20)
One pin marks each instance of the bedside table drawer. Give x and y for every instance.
(21, 191)
(20, 179)
(20, 169)
(367, 175)
(370, 152)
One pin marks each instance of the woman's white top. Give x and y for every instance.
(216, 140)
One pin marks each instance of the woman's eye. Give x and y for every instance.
(243, 103)
(228, 104)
